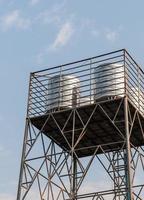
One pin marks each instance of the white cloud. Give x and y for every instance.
(108, 34)
(63, 36)
(34, 2)
(48, 17)
(111, 35)
(52, 15)
(14, 19)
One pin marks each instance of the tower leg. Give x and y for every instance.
(22, 160)
(128, 153)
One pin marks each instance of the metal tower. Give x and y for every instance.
(85, 142)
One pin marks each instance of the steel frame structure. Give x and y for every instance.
(65, 150)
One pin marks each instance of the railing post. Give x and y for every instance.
(125, 74)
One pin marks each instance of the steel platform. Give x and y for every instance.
(100, 130)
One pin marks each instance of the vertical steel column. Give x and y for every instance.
(74, 163)
(128, 153)
(22, 160)
(24, 143)
(127, 136)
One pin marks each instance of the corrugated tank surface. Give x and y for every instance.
(63, 91)
(108, 80)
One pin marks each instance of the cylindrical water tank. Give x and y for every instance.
(63, 91)
(86, 101)
(108, 81)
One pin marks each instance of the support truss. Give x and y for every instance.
(59, 170)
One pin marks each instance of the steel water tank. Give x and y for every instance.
(85, 101)
(108, 81)
(63, 92)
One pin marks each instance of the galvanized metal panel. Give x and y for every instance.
(108, 81)
(63, 91)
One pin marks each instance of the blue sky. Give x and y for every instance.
(36, 34)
